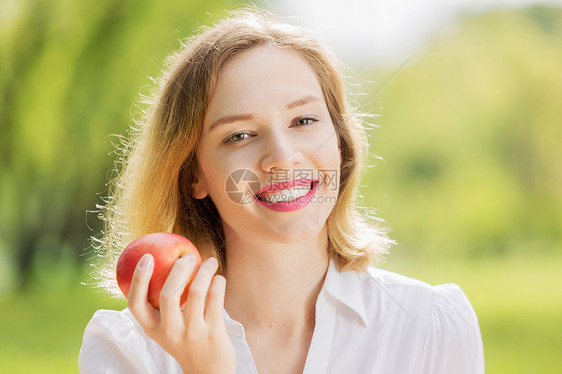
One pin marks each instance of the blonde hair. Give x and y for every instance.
(152, 193)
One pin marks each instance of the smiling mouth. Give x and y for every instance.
(287, 194)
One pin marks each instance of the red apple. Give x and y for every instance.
(166, 249)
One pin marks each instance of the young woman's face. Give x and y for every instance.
(267, 129)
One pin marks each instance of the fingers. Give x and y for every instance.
(198, 290)
(215, 300)
(137, 299)
(206, 288)
(173, 289)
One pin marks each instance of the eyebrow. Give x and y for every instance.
(245, 117)
(229, 119)
(305, 100)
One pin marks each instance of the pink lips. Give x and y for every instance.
(288, 206)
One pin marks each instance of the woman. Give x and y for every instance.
(251, 151)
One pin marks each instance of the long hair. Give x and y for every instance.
(152, 193)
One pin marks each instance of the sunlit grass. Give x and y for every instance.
(42, 328)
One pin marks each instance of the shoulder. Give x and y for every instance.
(104, 318)
(424, 302)
(422, 297)
(441, 317)
(114, 341)
(453, 342)
(395, 292)
(113, 325)
(382, 296)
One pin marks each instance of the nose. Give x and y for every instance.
(280, 153)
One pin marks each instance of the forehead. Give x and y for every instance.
(263, 75)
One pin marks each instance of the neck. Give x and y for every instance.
(275, 284)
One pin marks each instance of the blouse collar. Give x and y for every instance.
(346, 287)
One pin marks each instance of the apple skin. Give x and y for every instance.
(166, 249)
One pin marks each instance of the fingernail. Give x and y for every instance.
(212, 261)
(145, 262)
(189, 257)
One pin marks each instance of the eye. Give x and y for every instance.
(304, 121)
(235, 138)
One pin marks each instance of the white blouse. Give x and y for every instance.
(366, 322)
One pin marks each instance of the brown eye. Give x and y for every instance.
(305, 121)
(235, 138)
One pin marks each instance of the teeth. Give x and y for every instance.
(286, 194)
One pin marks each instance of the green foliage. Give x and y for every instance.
(470, 133)
(71, 72)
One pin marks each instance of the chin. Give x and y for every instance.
(293, 232)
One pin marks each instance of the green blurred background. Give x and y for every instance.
(470, 179)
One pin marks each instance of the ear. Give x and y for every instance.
(198, 189)
(341, 154)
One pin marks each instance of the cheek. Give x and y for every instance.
(328, 163)
(330, 154)
(222, 181)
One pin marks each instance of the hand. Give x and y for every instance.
(195, 336)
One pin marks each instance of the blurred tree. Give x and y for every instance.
(471, 136)
(69, 72)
